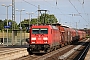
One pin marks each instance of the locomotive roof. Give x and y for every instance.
(54, 27)
(65, 26)
(55, 24)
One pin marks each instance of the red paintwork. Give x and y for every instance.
(57, 35)
(53, 35)
(82, 34)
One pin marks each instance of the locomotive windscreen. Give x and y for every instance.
(39, 31)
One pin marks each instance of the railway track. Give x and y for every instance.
(12, 53)
(67, 52)
(28, 57)
(83, 52)
(48, 55)
(79, 52)
(55, 55)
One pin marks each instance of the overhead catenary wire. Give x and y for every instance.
(56, 7)
(78, 11)
(83, 2)
(59, 9)
(82, 7)
(80, 2)
(30, 3)
(48, 3)
(52, 4)
(56, 2)
(84, 10)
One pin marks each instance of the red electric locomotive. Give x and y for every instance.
(43, 38)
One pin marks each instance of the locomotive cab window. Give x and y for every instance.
(40, 31)
(35, 31)
(43, 31)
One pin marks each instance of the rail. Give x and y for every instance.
(83, 53)
(51, 53)
(13, 53)
(66, 55)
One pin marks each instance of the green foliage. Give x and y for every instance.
(34, 21)
(1, 25)
(13, 23)
(43, 19)
(47, 19)
(26, 21)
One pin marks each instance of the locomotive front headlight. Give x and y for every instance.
(45, 38)
(33, 42)
(33, 38)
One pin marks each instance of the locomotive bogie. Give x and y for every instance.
(38, 48)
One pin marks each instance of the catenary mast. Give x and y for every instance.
(13, 19)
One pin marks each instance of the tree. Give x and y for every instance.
(34, 21)
(1, 25)
(53, 19)
(25, 23)
(12, 23)
(47, 19)
(43, 19)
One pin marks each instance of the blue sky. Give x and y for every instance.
(63, 10)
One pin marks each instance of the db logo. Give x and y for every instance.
(39, 35)
(39, 38)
